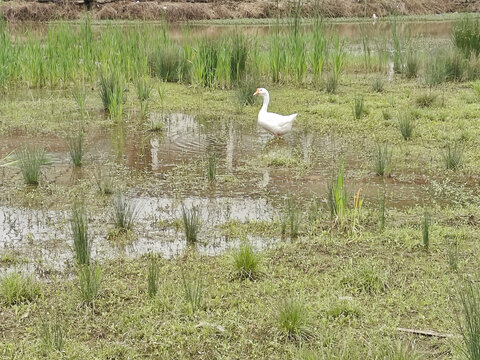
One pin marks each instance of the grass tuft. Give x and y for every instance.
(30, 161)
(246, 261)
(191, 223)
(453, 156)
(89, 278)
(406, 125)
(124, 213)
(16, 288)
(358, 107)
(469, 320)
(378, 84)
(382, 160)
(152, 277)
(52, 335)
(75, 147)
(111, 93)
(193, 293)
(212, 167)
(293, 319)
(81, 244)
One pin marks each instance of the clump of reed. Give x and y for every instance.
(30, 160)
(152, 277)
(378, 84)
(143, 94)
(80, 97)
(382, 160)
(52, 335)
(406, 124)
(358, 107)
(124, 213)
(111, 93)
(166, 61)
(193, 293)
(89, 278)
(238, 57)
(337, 60)
(212, 167)
(466, 36)
(16, 288)
(205, 63)
(293, 319)
(191, 223)
(290, 218)
(81, 244)
(246, 261)
(337, 196)
(412, 64)
(425, 100)
(75, 146)
(244, 92)
(319, 52)
(277, 58)
(453, 156)
(468, 319)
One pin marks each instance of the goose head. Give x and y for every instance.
(261, 92)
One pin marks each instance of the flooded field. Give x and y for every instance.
(371, 198)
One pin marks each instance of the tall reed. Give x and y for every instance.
(205, 63)
(81, 243)
(319, 52)
(111, 93)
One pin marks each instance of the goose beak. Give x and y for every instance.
(256, 92)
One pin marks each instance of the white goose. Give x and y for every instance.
(277, 124)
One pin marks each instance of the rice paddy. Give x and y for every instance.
(183, 230)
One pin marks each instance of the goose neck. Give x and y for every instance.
(266, 100)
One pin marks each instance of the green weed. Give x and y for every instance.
(89, 278)
(378, 84)
(111, 93)
(191, 223)
(469, 319)
(426, 230)
(293, 319)
(16, 288)
(406, 125)
(29, 161)
(358, 107)
(124, 213)
(76, 148)
(193, 293)
(52, 335)
(81, 244)
(212, 167)
(453, 156)
(246, 262)
(152, 277)
(383, 158)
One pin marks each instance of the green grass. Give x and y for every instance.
(191, 223)
(89, 279)
(358, 107)
(124, 213)
(16, 288)
(246, 262)
(76, 148)
(111, 93)
(406, 125)
(212, 167)
(426, 230)
(290, 219)
(469, 319)
(293, 319)
(52, 335)
(193, 293)
(378, 84)
(29, 161)
(82, 245)
(452, 156)
(152, 277)
(382, 160)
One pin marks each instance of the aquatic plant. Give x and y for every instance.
(124, 213)
(193, 293)
(29, 161)
(205, 63)
(337, 197)
(246, 261)
(16, 288)
(111, 93)
(238, 57)
(468, 319)
(382, 160)
(80, 96)
(152, 277)
(319, 52)
(89, 278)
(191, 223)
(52, 334)
(212, 167)
(337, 59)
(398, 57)
(378, 84)
(290, 218)
(405, 124)
(435, 69)
(453, 155)
(466, 36)
(166, 61)
(75, 148)
(412, 64)
(277, 57)
(293, 319)
(358, 107)
(425, 100)
(244, 91)
(81, 244)
(426, 230)
(144, 90)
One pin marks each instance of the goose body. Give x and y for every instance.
(274, 123)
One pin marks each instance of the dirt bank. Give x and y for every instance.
(177, 11)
